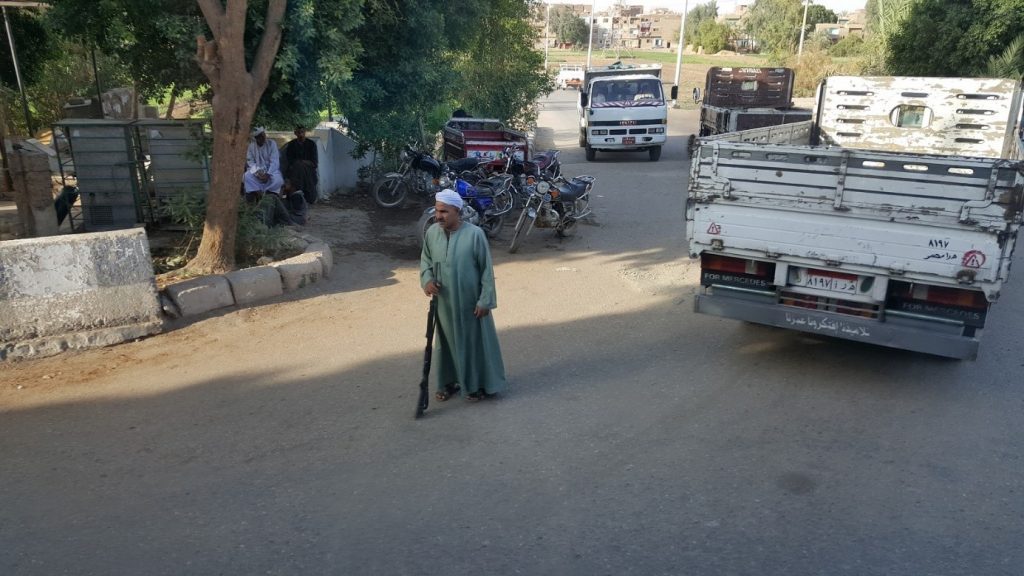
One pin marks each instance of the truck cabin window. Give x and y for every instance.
(628, 91)
(907, 116)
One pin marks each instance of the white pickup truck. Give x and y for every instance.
(889, 218)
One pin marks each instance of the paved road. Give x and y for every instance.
(636, 438)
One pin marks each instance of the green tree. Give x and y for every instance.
(953, 37)
(421, 56)
(567, 27)
(849, 46)
(501, 74)
(1010, 62)
(775, 24)
(818, 14)
(714, 37)
(697, 16)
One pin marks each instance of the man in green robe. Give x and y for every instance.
(455, 265)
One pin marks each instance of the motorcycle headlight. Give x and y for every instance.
(404, 156)
(543, 187)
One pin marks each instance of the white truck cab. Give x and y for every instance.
(623, 108)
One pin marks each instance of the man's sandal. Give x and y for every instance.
(447, 393)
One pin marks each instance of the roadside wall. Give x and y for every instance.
(75, 291)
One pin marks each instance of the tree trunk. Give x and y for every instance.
(236, 93)
(174, 100)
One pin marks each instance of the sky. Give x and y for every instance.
(724, 6)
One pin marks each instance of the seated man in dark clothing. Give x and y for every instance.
(295, 203)
(302, 162)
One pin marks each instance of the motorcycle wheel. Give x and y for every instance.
(523, 226)
(390, 191)
(492, 224)
(425, 222)
(503, 201)
(566, 229)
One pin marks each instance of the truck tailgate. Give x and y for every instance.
(908, 214)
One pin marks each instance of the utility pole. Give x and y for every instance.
(590, 43)
(803, 27)
(679, 48)
(547, 23)
(17, 73)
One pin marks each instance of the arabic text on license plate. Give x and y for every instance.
(629, 140)
(830, 283)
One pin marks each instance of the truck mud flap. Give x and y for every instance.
(839, 326)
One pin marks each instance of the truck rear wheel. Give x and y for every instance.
(591, 154)
(655, 152)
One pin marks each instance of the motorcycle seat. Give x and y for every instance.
(544, 159)
(463, 164)
(572, 189)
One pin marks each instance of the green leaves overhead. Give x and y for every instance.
(953, 38)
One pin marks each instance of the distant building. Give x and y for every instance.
(851, 24)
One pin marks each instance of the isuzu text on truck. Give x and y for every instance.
(889, 218)
(623, 108)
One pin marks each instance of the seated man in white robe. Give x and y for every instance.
(262, 165)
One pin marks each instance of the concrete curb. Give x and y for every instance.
(250, 285)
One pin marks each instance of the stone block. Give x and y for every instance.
(253, 284)
(323, 252)
(83, 290)
(299, 271)
(200, 295)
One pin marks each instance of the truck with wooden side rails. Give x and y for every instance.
(738, 99)
(889, 218)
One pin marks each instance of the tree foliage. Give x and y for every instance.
(818, 14)
(775, 24)
(500, 74)
(35, 44)
(714, 37)
(849, 46)
(697, 16)
(953, 37)
(567, 27)
(1009, 63)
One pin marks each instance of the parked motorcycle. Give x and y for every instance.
(485, 204)
(559, 204)
(528, 172)
(420, 173)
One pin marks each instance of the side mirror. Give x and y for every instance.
(696, 95)
(675, 92)
(584, 100)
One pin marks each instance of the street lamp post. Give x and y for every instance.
(679, 47)
(803, 27)
(547, 23)
(590, 43)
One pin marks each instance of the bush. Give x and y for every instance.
(849, 46)
(252, 241)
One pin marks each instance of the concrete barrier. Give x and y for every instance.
(200, 295)
(75, 291)
(254, 284)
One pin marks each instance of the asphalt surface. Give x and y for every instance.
(636, 437)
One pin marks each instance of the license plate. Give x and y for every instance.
(629, 140)
(830, 281)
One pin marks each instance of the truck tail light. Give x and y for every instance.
(964, 305)
(719, 263)
(941, 295)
